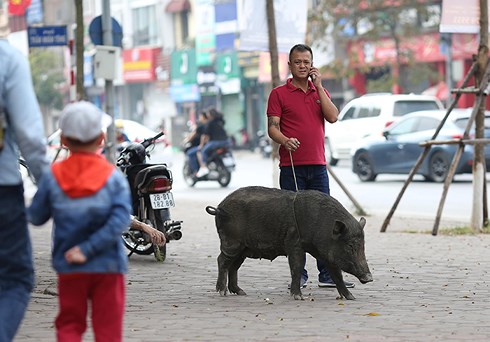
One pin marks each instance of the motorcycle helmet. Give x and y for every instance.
(137, 153)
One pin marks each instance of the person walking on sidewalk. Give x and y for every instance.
(90, 203)
(21, 130)
(296, 114)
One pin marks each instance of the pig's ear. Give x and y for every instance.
(362, 222)
(339, 229)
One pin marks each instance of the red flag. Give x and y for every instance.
(18, 7)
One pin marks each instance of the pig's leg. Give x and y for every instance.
(295, 260)
(223, 264)
(337, 278)
(233, 276)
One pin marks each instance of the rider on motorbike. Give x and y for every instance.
(213, 137)
(193, 140)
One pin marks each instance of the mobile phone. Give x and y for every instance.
(311, 76)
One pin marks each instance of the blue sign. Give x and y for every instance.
(96, 35)
(34, 13)
(185, 93)
(47, 36)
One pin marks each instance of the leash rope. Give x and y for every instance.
(294, 173)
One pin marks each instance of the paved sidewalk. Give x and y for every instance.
(425, 288)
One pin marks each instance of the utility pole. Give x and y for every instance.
(479, 159)
(80, 89)
(271, 24)
(109, 86)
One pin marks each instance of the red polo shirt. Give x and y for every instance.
(302, 118)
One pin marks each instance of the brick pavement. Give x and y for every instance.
(425, 288)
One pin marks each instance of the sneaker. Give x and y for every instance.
(203, 171)
(331, 284)
(302, 284)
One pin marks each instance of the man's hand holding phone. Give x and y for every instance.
(314, 75)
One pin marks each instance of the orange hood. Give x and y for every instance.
(82, 174)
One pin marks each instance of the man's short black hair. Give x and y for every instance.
(300, 48)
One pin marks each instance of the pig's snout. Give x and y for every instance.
(366, 278)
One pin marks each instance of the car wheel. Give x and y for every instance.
(438, 167)
(364, 167)
(329, 155)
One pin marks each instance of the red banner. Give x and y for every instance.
(139, 64)
(423, 48)
(18, 7)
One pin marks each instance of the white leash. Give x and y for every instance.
(294, 173)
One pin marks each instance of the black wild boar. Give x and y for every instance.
(259, 222)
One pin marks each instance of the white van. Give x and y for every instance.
(370, 114)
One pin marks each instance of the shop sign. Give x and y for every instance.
(139, 64)
(228, 73)
(183, 67)
(206, 80)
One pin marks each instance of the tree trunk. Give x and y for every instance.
(271, 24)
(477, 218)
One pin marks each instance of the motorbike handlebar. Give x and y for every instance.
(147, 142)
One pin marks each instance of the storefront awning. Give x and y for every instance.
(176, 6)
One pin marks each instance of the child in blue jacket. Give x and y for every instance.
(89, 201)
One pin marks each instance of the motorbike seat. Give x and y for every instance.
(153, 170)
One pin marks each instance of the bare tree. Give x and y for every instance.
(351, 20)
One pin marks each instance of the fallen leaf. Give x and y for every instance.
(372, 314)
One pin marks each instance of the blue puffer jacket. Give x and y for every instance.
(94, 222)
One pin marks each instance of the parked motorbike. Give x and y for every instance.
(264, 144)
(151, 186)
(220, 164)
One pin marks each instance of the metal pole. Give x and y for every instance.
(449, 73)
(109, 87)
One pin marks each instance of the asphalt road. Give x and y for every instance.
(421, 198)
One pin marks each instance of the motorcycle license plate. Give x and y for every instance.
(228, 161)
(162, 201)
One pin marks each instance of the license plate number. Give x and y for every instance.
(162, 201)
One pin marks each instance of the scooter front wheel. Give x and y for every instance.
(158, 218)
(132, 242)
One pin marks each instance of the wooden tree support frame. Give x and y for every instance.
(481, 94)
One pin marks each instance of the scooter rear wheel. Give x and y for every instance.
(224, 176)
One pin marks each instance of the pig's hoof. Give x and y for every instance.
(349, 296)
(297, 296)
(236, 290)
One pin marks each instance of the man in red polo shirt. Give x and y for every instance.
(296, 114)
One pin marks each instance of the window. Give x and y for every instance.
(426, 124)
(404, 107)
(364, 112)
(145, 30)
(349, 114)
(184, 21)
(404, 127)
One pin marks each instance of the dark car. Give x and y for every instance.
(397, 149)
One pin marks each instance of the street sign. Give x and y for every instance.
(42, 36)
(96, 35)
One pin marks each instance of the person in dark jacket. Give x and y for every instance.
(214, 136)
(193, 140)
